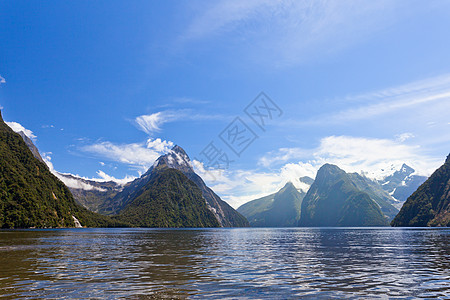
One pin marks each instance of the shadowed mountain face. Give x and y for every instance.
(334, 199)
(402, 183)
(281, 209)
(430, 204)
(177, 159)
(385, 201)
(30, 195)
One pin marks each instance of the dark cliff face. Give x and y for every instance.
(335, 200)
(430, 204)
(177, 159)
(30, 195)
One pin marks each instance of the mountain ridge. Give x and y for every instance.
(177, 159)
(429, 205)
(334, 200)
(31, 196)
(281, 209)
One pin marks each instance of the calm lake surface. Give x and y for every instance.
(225, 263)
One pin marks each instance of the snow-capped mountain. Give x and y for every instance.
(402, 183)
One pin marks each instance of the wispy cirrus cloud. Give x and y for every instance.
(414, 98)
(2, 80)
(292, 32)
(153, 123)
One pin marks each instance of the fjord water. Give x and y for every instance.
(225, 263)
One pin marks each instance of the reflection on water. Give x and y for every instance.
(221, 263)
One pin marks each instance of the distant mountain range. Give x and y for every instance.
(335, 198)
(402, 183)
(31, 196)
(281, 209)
(90, 193)
(430, 204)
(171, 194)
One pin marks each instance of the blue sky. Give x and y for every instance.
(105, 87)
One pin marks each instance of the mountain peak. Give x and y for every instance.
(446, 161)
(175, 159)
(289, 185)
(1, 118)
(179, 150)
(329, 169)
(407, 169)
(307, 180)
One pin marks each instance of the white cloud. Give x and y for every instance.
(375, 158)
(18, 128)
(2, 80)
(404, 136)
(291, 32)
(139, 155)
(237, 187)
(152, 123)
(105, 177)
(46, 156)
(78, 184)
(282, 155)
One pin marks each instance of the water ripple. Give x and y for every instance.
(352, 263)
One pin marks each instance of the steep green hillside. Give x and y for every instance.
(335, 200)
(430, 204)
(169, 199)
(281, 209)
(30, 195)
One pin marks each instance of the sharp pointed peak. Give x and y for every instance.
(406, 169)
(178, 149)
(448, 159)
(289, 184)
(176, 158)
